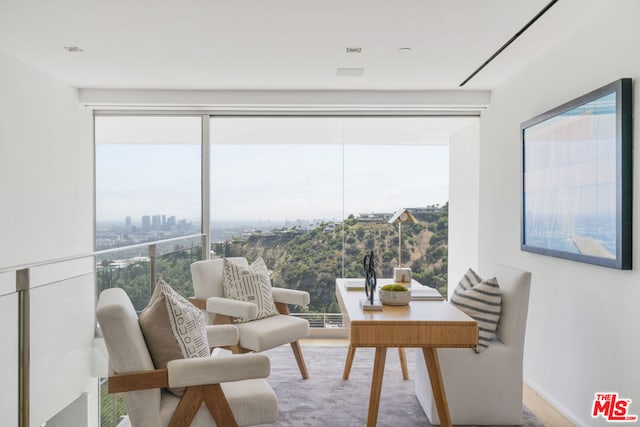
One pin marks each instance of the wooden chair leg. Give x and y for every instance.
(191, 401)
(403, 363)
(347, 365)
(187, 408)
(295, 346)
(437, 385)
(217, 404)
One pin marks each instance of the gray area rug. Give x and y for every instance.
(325, 399)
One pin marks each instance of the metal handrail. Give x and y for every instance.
(94, 253)
(23, 289)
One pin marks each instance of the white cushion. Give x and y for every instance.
(221, 335)
(481, 300)
(290, 296)
(231, 307)
(272, 332)
(215, 370)
(250, 285)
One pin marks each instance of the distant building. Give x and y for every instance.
(184, 225)
(127, 224)
(146, 222)
(156, 222)
(427, 210)
(374, 217)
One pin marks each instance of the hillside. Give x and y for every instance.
(311, 260)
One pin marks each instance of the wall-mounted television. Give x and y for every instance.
(577, 179)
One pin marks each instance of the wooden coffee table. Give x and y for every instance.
(423, 324)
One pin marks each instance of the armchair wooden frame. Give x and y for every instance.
(220, 319)
(190, 403)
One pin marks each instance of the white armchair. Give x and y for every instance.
(485, 388)
(255, 335)
(230, 390)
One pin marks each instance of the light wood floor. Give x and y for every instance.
(542, 409)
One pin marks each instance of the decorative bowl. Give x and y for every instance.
(397, 297)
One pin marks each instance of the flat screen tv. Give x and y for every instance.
(577, 179)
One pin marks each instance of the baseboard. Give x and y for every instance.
(543, 410)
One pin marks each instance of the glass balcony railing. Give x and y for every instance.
(47, 309)
(9, 317)
(322, 320)
(137, 271)
(112, 407)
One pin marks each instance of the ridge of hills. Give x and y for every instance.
(308, 260)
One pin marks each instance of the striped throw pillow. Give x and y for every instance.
(481, 300)
(250, 286)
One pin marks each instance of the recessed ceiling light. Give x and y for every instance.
(349, 72)
(354, 50)
(73, 48)
(404, 49)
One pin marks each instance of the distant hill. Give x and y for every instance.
(311, 260)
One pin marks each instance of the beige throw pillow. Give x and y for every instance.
(252, 285)
(173, 328)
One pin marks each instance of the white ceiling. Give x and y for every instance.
(281, 44)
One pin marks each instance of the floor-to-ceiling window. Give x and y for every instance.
(313, 195)
(148, 177)
(276, 192)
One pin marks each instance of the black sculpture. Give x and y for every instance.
(370, 277)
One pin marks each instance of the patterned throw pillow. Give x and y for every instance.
(252, 285)
(482, 301)
(260, 267)
(173, 328)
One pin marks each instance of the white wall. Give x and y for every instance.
(46, 167)
(464, 150)
(582, 333)
(46, 192)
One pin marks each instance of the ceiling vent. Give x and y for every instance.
(349, 72)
